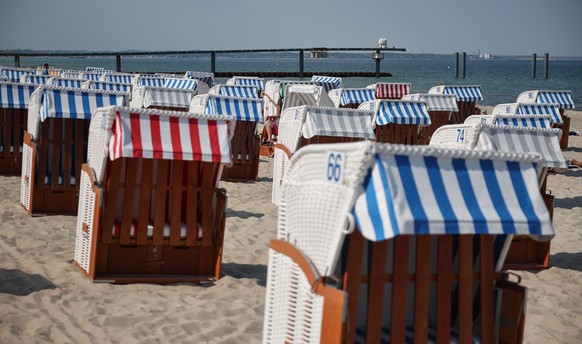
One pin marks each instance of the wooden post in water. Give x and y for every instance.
(464, 64)
(533, 65)
(456, 64)
(301, 63)
(378, 57)
(118, 62)
(213, 62)
(16, 60)
(546, 64)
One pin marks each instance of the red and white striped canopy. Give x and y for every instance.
(169, 135)
(391, 90)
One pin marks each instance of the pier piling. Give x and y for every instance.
(533, 65)
(464, 64)
(546, 64)
(213, 62)
(16, 60)
(456, 64)
(118, 62)
(301, 63)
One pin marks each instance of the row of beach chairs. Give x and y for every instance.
(367, 231)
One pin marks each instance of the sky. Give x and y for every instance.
(500, 27)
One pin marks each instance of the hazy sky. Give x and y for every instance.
(501, 27)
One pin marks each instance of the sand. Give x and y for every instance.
(44, 298)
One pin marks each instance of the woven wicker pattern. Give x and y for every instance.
(85, 214)
(26, 176)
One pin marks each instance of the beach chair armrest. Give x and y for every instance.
(335, 300)
(284, 149)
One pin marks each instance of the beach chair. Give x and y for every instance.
(162, 98)
(524, 254)
(66, 82)
(389, 243)
(467, 96)
(205, 77)
(391, 90)
(248, 81)
(397, 121)
(150, 209)
(70, 74)
(245, 143)
(552, 110)
(327, 82)
(351, 98)
(530, 121)
(439, 107)
(35, 79)
(186, 84)
(55, 146)
(92, 75)
(305, 125)
(249, 91)
(107, 86)
(95, 69)
(14, 74)
(149, 80)
(14, 102)
(125, 78)
(564, 101)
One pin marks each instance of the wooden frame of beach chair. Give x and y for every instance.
(397, 121)
(524, 253)
(55, 146)
(467, 96)
(384, 276)
(162, 98)
(14, 102)
(305, 125)
(149, 211)
(564, 101)
(439, 107)
(245, 142)
(351, 98)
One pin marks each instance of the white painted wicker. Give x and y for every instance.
(460, 136)
(477, 119)
(26, 176)
(85, 215)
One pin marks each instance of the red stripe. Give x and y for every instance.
(175, 133)
(156, 136)
(136, 135)
(214, 142)
(195, 139)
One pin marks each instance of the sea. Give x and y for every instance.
(501, 79)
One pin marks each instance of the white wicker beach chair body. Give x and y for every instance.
(300, 95)
(272, 97)
(91, 75)
(530, 121)
(327, 82)
(66, 82)
(70, 74)
(55, 144)
(391, 90)
(247, 81)
(467, 96)
(304, 125)
(351, 97)
(162, 98)
(14, 102)
(477, 119)
(183, 234)
(322, 186)
(245, 143)
(14, 74)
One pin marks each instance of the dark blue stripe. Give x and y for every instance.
(440, 192)
(469, 197)
(412, 196)
(99, 99)
(58, 103)
(10, 96)
(72, 106)
(507, 222)
(86, 107)
(524, 201)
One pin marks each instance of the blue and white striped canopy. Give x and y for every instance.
(447, 192)
(14, 74)
(35, 79)
(244, 109)
(357, 95)
(562, 98)
(182, 84)
(124, 78)
(462, 92)
(435, 102)
(151, 81)
(15, 96)
(534, 121)
(109, 86)
(77, 104)
(330, 121)
(242, 81)
(71, 83)
(540, 109)
(239, 91)
(327, 82)
(401, 112)
(95, 76)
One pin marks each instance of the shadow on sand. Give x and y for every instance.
(251, 271)
(567, 260)
(16, 282)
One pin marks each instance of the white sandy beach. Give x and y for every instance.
(45, 299)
